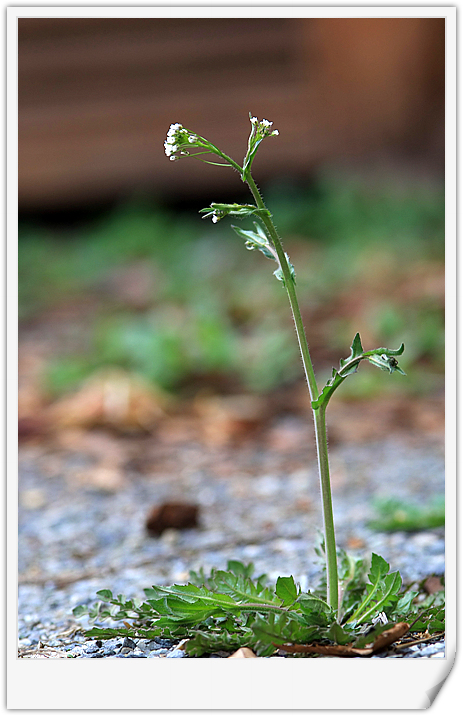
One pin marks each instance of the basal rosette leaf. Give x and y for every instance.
(385, 596)
(243, 589)
(380, 593)
(286, 590)
(281, 629)
(338, 634)
(243, 570)
(210, 641)
(379, 568)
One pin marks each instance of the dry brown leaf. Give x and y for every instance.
(243, 653)
(110, 398)
(386, 638)
(230, 418)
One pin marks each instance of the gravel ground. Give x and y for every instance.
(76, 537)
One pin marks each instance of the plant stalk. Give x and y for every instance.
(318, 414)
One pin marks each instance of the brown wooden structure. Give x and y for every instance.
(97, 95)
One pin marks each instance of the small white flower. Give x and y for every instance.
(253, 120)
(192, 139)
(214, 219)
(173, 159)
(266, 123)
(275, 133)
(170, 148)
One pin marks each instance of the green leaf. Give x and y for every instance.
(286, 590)
(387, 351)
(100, 633)
(380, 357)
(219, 211)
(356, 351)
(381, 592)
(379, 568)
(339, 635)
(311, 604)
(279, 272)
(282, 628)
(234, 610)
(328, 390)
(106, 595)
(240, 569)
(208, 642)
(256, 240)
(80, 610)
(404, 604)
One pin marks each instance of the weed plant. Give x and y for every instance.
(356, 604)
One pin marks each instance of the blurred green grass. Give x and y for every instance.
(368, 258)
(395, 515)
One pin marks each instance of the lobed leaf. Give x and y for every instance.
(383, 358)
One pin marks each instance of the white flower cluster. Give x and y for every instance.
(264, 127)
(176, 137)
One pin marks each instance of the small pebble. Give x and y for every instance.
(176, 654)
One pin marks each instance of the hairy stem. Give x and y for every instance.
(319, 413)
(325, 484)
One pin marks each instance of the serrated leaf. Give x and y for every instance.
(380, 357)
(243, 589)
(382, 594)
(356, 350)
(286, 590)
(208, 642)
(379, 568)
(280, 628)
(328, 390)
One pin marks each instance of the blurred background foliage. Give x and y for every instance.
(116, 267)
(180, 301)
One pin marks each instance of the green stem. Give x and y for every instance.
(325, 483)
(319, 413)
